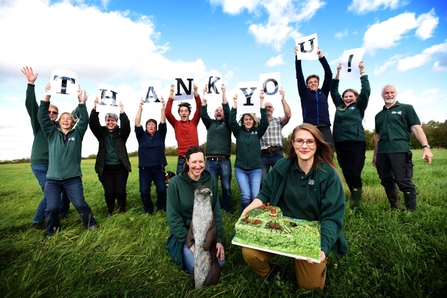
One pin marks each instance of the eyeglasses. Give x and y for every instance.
(53, 112)
(268, 107)
(300, 142)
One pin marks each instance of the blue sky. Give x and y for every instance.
(123, 43)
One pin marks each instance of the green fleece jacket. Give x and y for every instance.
(329, 193)
(348, 120)
(64, 157)
(179, 207)
(218, 138)
(248, 145)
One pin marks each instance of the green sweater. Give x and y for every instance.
(179, 207)
(218, 138)
(328, 192)
(248, 145)
(64, 158)
(348, 120)
(39, 150)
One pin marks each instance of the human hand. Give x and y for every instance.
(261, 96)
(362, 67)
(121, 107)
(427, 155)
(171, 91)
(296, 50)
(195, 87)
(320, 53)
(28, 72)
(282, 92)
(192, 248)
(322, 258)
(163, 104)
(339, 67)
(220, 251)
(223, 88)
(95, 102)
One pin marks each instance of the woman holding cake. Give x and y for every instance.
(179, 207)
(305, 185)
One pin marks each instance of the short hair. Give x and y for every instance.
(252, 116)
(73, 117)
(54, 107)
(184, 104)
(388, 85)
(151, 120)
(111, 115)
(312, 76)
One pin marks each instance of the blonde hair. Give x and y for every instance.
(252, 116)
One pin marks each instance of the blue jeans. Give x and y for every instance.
(188, 259)
(180, 163)
(75, 192)
(222, 168)
(268, 160)
(157, 175)
(40, 172)
(249, 184)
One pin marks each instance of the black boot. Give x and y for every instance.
(393, 195)
(110, 208)
(349, 197)
(122, 206)
(356, 196)
(410, 200)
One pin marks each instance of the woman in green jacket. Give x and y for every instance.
(348, 132)
(305, 185)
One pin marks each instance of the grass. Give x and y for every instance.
(392, 254)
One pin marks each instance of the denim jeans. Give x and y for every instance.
(268, 160)
(180, 163)
(188, 259)
(40, 172)
(157, 175)
(222, 168)
(249, 184)
(75, 192)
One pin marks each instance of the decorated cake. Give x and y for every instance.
(265, 228)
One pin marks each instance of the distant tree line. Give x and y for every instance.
(436, 134)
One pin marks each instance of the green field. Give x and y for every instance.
(392, 253)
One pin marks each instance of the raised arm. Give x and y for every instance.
(335, 94)
(139, 112)
(326, 87)
(366, 89)
(196, 117)
(301, 84)
(286, 108)
(30, 101)
(95, 125)
(163, 111)
(124, 123)
(168, 113)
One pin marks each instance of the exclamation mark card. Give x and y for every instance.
(350, 61)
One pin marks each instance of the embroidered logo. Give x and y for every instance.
(396, 112)
(311, 182)
(71, 139)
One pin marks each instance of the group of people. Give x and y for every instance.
(305, 184)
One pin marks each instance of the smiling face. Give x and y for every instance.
(196, 163)
(248, 122)
(184, 114)
(53, 112)
(349, 98)
(312, 84)
(110, 123)
(389, 95)
(219, 114)
(304, 145)
(66, 121)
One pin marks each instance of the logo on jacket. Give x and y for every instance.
(311, 182)
(396, 112)
(71, 139)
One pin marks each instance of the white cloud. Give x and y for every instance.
(341, 34)
(364, 6)
(275, 61)
(283, 17)
(390, 63)
(388, 34)
(423, 58)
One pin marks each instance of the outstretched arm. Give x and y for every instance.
(287, 112)
(139, 112)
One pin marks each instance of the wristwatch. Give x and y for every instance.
(426, 146)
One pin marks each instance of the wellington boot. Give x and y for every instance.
(393, 195)
(356, 196)
(410, 200)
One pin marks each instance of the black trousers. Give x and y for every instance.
(351, 158)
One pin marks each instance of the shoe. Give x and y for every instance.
(92, 227)
(38, 226)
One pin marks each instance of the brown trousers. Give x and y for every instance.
(308, 276)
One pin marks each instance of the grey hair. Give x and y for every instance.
(389, 85)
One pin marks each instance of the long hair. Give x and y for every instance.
(191, 150)
(323, 151)
(356, 94)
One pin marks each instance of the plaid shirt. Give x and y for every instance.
(273, 135)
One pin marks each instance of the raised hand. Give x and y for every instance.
(28, 72)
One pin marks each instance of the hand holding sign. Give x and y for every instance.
(350, 58)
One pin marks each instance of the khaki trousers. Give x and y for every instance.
(308, 276)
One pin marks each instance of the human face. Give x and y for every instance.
(219, 114)
(305, 145)
(349, 98)
(151, 128)
(111, 123)
(312, 84)
(269, 108)
(66, 121)
(248, 122)
(196, 165)
(52, 112)
(184, 114)
(389, 95)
